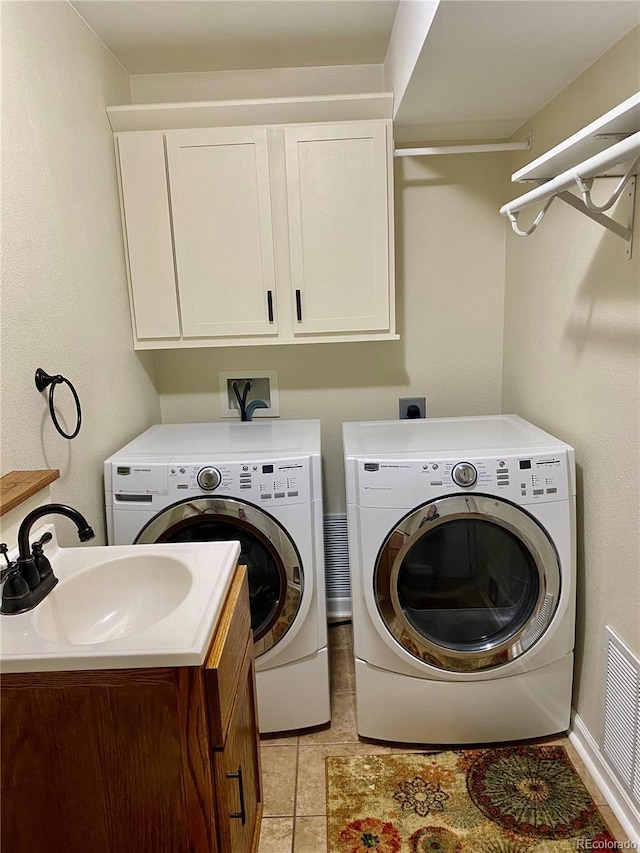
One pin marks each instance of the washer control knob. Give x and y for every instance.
(209, 478)
(464, 474)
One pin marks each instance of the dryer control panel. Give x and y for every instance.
(523, 479)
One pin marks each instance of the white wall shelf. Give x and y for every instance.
(476, 148)
(596, 137)
(619, 157)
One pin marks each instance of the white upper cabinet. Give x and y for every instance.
(222, 229)
(259, 235)
(337, 193)
(147, 230)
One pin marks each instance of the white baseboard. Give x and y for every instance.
(615, 795)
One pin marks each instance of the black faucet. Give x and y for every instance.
(30, 578)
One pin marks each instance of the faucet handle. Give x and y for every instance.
(46, 537)
(37, 552)
(4, 550)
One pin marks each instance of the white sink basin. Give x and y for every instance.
(113, 599)
(122, 607)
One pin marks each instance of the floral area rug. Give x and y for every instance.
(510, 800)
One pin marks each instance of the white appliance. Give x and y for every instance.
(462, 552)
(259, 483)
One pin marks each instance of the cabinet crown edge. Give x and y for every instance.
(265, 111)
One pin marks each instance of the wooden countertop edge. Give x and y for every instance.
(18, 486)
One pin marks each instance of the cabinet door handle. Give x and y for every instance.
(242, 814)
(299, 306)
(270, 305)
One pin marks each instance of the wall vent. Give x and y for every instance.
(336, 564)
(621, 730)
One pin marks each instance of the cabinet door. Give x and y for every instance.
(338, 200)
(223, 234)
(147, 226)
(237, 771)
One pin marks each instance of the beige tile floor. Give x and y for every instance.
(293, 767)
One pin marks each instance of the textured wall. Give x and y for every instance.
(263, 83)
(571, 365)
(450, 274)
(64, 303)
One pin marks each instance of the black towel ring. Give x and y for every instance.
(42, 381)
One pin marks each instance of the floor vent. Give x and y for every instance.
(621, 731)
(336, 563)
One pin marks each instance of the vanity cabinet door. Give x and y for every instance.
(237, 771)
(233, 725)
(222, 229)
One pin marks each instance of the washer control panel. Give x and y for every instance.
(282, 481)
(522, 479)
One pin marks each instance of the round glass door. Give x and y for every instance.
(272, 560)
(467, 583)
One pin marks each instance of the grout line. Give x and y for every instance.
(295, 798)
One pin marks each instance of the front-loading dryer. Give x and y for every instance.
(462, 555)
(258, 483)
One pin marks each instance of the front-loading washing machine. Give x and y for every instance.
(258, 483)
(463, 572)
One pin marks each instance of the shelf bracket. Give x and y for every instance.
(623, 231)
(513, 219)
(585, 189)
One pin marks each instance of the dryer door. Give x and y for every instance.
(467, 583)
(273, 562)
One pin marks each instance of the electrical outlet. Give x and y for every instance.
(264, 386)
(412, 407)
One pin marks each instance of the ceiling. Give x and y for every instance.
(486, 66)
(489, 65)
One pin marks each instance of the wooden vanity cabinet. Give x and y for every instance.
(158, 760)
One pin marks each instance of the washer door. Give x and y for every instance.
(467, 583)
(274, 565)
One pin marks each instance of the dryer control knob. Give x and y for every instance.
(209, 478)
(464, 474)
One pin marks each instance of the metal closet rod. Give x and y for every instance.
(622, 152)
(477, 148)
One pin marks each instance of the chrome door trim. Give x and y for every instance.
(262, 525)
(426, 518)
